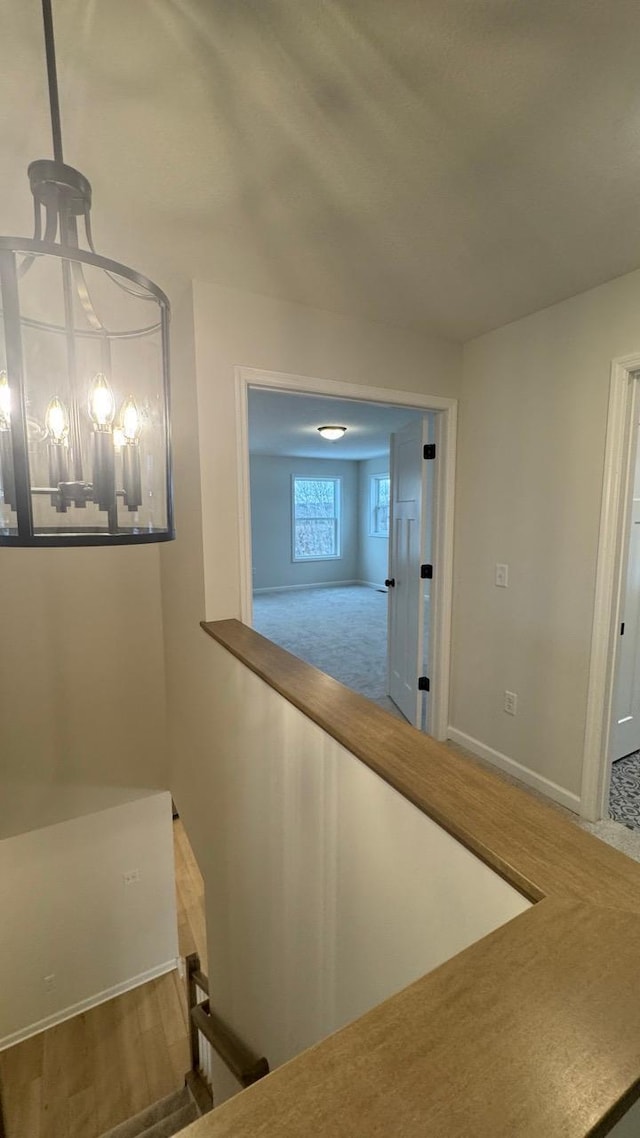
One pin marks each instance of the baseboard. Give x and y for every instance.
(313, 585)
(379, 585)
(510, 766)
(85, 1005)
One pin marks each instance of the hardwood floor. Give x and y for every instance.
(192, 935)
(85, 1075)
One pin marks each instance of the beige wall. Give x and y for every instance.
(531, 451)
(81, 675)
(81, 665)
(236, 328)
(255, 331)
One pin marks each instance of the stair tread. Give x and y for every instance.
(159, 1111)
(173, 1123)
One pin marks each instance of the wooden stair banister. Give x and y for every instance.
(244, 1064)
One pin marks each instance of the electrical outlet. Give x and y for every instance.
(49, 982)
(510, 702)
(502, 576)
(131, 877)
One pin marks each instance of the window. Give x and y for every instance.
(316, 518)
(379, 505)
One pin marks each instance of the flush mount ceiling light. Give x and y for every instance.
(332, 433)
(84, 375)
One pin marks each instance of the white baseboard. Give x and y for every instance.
(510, 766)
(85, 1005)
(373, 585)
(313, 585)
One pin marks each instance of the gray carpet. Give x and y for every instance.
(163, 1119)
(342, 631)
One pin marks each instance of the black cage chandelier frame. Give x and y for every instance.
(63, 194)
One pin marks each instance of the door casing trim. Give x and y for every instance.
(610, 565)
(443, 514)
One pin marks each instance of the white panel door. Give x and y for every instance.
(625, 727)
(406, 550)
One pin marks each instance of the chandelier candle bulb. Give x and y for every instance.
(101, 403)
(57, 421)
(130, 419)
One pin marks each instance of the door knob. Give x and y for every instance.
(390, 582)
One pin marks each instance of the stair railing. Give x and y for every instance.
(208, 1031)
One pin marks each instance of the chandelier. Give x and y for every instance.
(84, 375)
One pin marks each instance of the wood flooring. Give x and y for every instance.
(192, 935)
(85, 1075)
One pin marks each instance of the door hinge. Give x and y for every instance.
(423, 683)
(429, 450)
(622, 629)
(426, 572)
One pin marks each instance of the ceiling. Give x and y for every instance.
(281, 423)
(445, 165)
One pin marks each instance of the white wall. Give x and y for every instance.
(67, 913)
(327, 890)
(271, 522)
(373, 552)
(531, 450)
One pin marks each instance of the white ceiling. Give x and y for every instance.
(285, 424)
(440, 164)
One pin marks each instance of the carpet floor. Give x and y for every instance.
(342, 631)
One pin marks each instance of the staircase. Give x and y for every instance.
(162, 1119)
(208, 1034)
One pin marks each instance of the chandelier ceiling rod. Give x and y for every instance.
(52, 76)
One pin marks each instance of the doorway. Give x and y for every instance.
(405, 407)
(340, 529)
(610, 640)
(624, 738)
